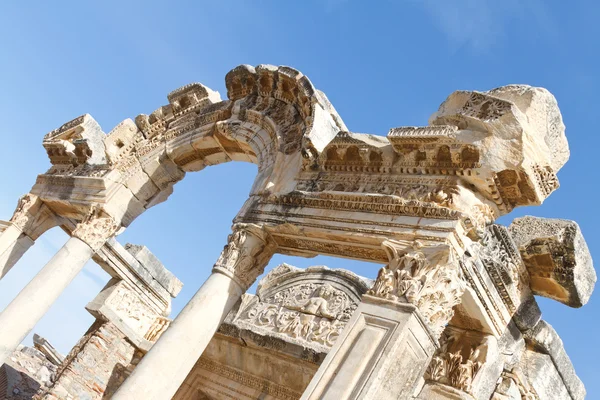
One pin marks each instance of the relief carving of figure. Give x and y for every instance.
(310, 312)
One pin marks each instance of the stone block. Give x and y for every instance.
(518, 137)
(79, 141)
(156, 268)
(123, 307)
(549, 365)
(381, 354)
(557, 258)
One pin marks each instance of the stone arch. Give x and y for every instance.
(273, 116)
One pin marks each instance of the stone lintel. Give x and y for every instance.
(49, 351)
(557, 258)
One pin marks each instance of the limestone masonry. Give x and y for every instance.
(451, 314)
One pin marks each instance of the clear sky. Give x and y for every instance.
(382, 64)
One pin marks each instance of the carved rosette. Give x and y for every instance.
(434, 287)
(23, 213)
(96, 228)
(249, 248)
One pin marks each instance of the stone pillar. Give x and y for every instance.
(30, 305)
(165, 367)
(384, 350)
(30, 219)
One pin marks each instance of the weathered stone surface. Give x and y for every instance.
(80, 141)
(519, 134)
(557, 258)
(47, 349)
(307, 307)
(100, 357)
(24, 373)
(421, 201)
(559, 373)
(381, 355)
(156, 269)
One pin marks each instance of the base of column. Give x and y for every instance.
(381, 354)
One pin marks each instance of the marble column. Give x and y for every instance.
(30, 305)
(161, 372)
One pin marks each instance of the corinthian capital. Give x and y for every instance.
(249, 248)
(28, 205)
(427, 278)
(96, 228)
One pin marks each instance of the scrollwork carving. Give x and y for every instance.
(249, 248)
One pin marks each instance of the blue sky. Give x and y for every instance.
(382, 64)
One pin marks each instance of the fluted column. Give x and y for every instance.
(30, 305)
(165, 367)
(30, 219)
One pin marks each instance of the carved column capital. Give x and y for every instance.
(249, 248)
(428, 277)
(27, 208)
(96, 228)
(32, 217)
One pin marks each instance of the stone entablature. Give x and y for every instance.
(422, 202)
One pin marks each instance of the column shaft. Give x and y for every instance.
(21, 315)
(165, 367)
(13, 244)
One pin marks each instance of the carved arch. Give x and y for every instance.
(274, 116)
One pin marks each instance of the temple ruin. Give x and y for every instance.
(451, 313)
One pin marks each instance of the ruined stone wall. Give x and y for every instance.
(97, 363)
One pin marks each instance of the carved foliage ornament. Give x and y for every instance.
(411, 276)
(460, 358)
(96, 228)
(246, 254)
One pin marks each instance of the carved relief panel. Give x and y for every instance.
(309, 307)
